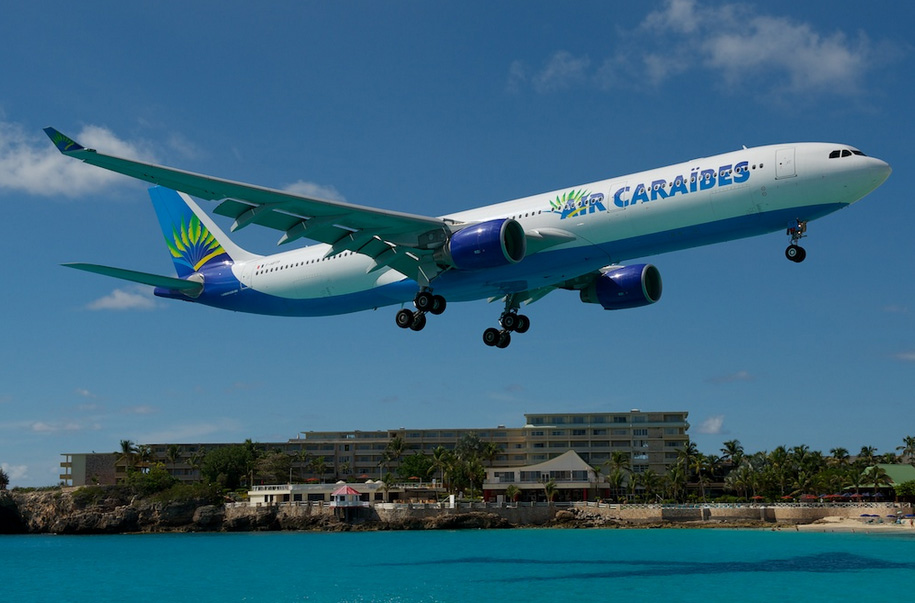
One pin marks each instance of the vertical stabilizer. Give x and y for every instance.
(193, 239)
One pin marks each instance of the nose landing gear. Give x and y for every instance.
(795, 252)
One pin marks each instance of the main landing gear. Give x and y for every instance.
(795, 252)
(424, 302)
(510, 321)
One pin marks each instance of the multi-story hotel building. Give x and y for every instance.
(650, 439)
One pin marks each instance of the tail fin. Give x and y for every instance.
(193, 239)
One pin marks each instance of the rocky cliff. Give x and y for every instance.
(59, 512)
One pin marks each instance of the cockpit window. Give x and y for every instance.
(845, 153)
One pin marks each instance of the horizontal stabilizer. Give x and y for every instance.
(191, 288)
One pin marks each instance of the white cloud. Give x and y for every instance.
(190, 432)
(318, 191)
(141, 410)
(42, 427)
(735, 43)
(119, 299)
(712, 425)
(15, 472)
(30, 163)
(906, 356)
(732, 378)
(561, 71)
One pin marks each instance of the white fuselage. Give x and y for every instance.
(704, 201)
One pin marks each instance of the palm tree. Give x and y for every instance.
(907, 452)
(597, 471)
(144, 456)
(616, 479)
(699, 463)
(441, 461)
(4, 479)
(550, 490)
(172, 455)
(866, 456)
(194, 461)
(732, 452)
(490, 451)
(319, 467)
(511, 493)
(301, 457)
(779, 464)
(128, 456)
(880, 477)
(838, 457)
(676, 482)
(650, 481)
(387, 481)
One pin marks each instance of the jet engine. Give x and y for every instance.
(624, 287)
(487, 245)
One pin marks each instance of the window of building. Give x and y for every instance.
(504, 477)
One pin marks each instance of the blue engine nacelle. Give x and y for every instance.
(487, 245)
(624, 287)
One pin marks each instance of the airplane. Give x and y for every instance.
(516, 252)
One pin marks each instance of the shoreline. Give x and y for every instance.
(59, 513)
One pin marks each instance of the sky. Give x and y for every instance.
(432, 108)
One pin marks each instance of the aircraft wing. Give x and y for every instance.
(400, 240)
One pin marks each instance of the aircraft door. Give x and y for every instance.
(784, 164)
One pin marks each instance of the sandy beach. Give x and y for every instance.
(863, 525)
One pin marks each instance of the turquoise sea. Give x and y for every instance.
(497, 565)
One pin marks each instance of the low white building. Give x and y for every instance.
(367, 492)
(571, 475)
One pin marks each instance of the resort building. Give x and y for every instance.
(650, 440)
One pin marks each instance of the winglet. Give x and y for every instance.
(63, 143)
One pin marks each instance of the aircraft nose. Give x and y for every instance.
(881, 170)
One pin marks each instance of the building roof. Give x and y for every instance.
(899, 473)
(345, 491)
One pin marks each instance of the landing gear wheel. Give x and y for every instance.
(491, 336)
(795, 253)
(424, 301)
(404, 318)
(522, 323)
(438, 305)
(505, 338)
(419, 321)
(509, 321)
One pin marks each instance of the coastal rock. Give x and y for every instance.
(10, 520)
(467, 521)
(209, 517)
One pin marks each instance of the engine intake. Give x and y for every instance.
(625, 287)
(487, 245)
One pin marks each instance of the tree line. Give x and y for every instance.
(784, 472)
